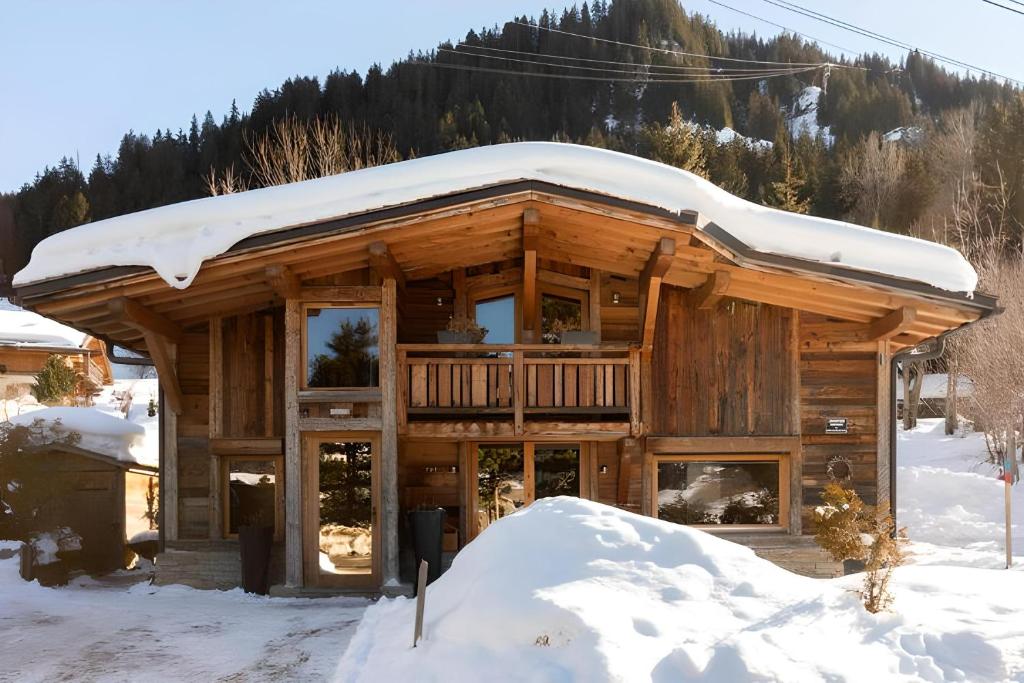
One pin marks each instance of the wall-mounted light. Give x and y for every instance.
(616, 297)
(603, 469)
(440, 302)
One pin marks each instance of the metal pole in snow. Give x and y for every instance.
(1009, 462)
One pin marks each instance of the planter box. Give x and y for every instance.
(579, 337)
(449, 337)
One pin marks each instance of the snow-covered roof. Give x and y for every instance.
(934, 386)
(22, 328)
(175, 240)
(131, 438)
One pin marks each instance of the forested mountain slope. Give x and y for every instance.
(962, 130)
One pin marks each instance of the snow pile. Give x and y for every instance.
(950, 500)
(568, 589)
(803, 117)
(99, 432)
(175, 240)
(727, 135)
(19, 327)
(908, 134)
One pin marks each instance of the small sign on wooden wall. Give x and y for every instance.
(836, 425)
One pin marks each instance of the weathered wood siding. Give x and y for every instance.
(245, 372)
(837, 381)
(193, 436)
(723, 371)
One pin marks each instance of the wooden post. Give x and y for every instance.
(796, 459)
(635, 423)
(216, 422)
(460, 302)
(421, 599)
(883, 422)
(595, 301)
(531, 226)
(292, 443)
(169, 475)
(1009, 460)
(389, 432)
(647, 493)
(268, 376)
(518, 390)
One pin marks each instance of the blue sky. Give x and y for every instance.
(75, 76)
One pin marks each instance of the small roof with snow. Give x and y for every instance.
(175, 240)
(98, 432)
(25, 329)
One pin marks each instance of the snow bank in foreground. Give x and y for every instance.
(571, 590)
(175, 240)
(98, 431)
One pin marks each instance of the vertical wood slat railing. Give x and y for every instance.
(517, 379)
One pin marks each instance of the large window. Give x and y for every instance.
(559, 314)
(722, 490)
(342, 347)
(556, 470)
(253, 495)
(498, 317)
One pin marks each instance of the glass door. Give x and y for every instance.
(342, 539)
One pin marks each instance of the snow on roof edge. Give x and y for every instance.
(175, 240)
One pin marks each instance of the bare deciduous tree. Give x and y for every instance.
(872, 175)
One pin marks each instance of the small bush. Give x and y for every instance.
(840, 523)
(883, 556)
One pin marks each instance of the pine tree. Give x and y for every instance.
(71, 210)
(785, 192)
(55, 382)
(678, 143)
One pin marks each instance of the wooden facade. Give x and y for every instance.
(701, 355)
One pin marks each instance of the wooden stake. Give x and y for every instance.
(1008, 461)
(421, 598)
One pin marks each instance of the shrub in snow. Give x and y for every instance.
(839, 523)
(55, 382)
(884, 555)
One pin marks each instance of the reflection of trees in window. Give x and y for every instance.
(353, 360)
(252, 494)
(718, 493)
(556, 471)
(500, 480)
(346, 495)
(558, 314)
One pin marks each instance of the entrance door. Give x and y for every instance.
(505, 477)
(341, 525)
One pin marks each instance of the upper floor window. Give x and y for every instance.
(498, 316)
(342, 347)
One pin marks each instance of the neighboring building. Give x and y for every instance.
(934, 388)
(733, 356)
(103, 477)
(28, 339)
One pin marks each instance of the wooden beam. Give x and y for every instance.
(708, 295)
(897, 322)
(594, 287)
(283, 281)
(650, 288)
(143, 319)
(162, 354)
(531, 229)
(383, 261)
(339, 293)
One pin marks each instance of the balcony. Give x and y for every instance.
(519, 384)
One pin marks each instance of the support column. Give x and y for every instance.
(292, 444)
(389, 432)
(169, 473)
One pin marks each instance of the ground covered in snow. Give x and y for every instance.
(120, 630)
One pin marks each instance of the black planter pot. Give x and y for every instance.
(427, 534)
(852, 567)
(254, 543)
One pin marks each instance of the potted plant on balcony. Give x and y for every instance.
(255, 540)
(461, 330)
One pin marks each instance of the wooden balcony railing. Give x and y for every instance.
(519, 380)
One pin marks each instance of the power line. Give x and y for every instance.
(1008, 9)
(855, 53)
(633, 67)
(818, 16)
(645, 81)
(678, 53)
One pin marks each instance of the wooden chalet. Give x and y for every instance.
(720, 385)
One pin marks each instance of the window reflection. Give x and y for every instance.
(722, 492)
(252, 494)
(346, 507)
(342, 347)
(556, 471)
(498, 316)
(500, 484)
(559, 314)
